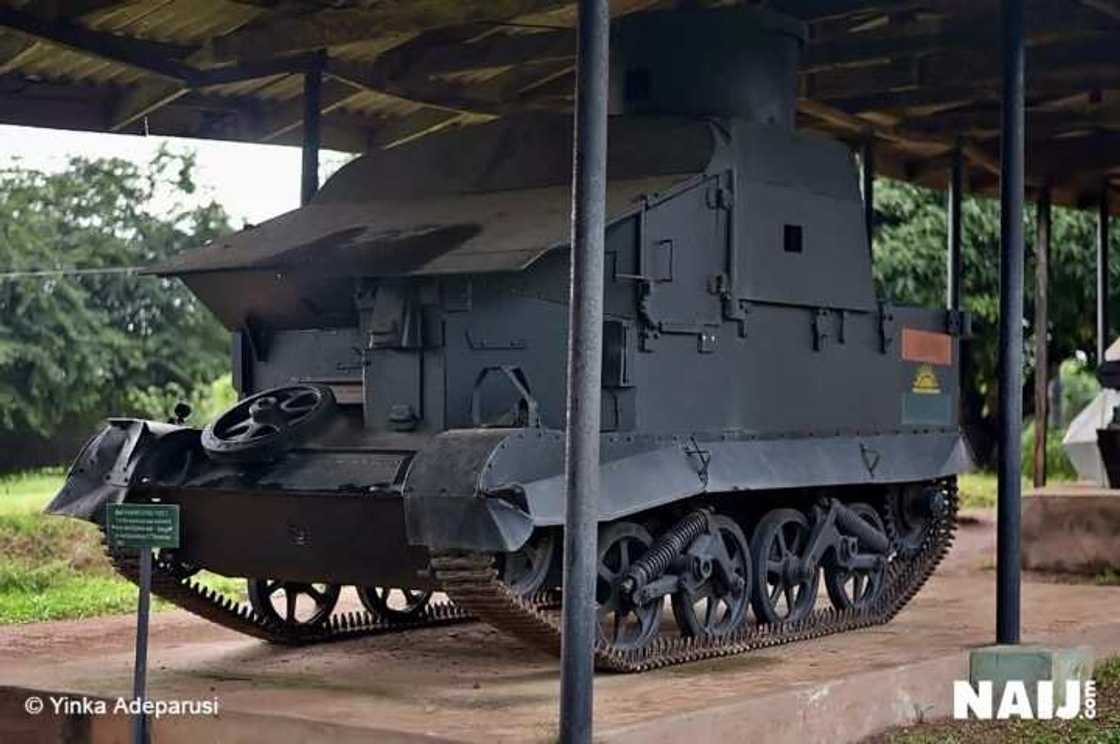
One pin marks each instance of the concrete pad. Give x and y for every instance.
(1071, 528)
(469, 683)
(1030, 664)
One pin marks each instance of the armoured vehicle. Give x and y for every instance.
(768, 424)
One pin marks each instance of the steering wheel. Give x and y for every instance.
(262, 427)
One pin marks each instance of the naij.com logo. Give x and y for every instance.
(1015, 700)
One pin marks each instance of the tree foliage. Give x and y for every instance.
(75, 347)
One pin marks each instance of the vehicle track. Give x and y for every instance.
(471, 581)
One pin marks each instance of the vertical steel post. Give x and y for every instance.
(953, 196)
(140, 731)
(1010, 324)
(867, 185)
(953, 207)
(1041, 345)
(1103, 330)
(585, 352)
(312, 98)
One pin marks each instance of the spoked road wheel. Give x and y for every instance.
(711, 609)
(264, 426)
(293, 605)
(622, 624)
(857, 588)
(392, 604)
(785, 589)
(524, 571)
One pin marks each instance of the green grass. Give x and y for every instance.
(978, 490)
(29, 492)
(1104, 729)
(53, 568)
(55, 591)
(1108, 577)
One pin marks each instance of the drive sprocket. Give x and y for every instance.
(911, 512)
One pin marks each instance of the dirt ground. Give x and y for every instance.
(471, 683)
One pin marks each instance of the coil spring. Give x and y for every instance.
(656, 561)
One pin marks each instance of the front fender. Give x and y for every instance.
(445, 505)
(123, 453)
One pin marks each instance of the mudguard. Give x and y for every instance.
(486, 489)
(450, 500)
(123, 453)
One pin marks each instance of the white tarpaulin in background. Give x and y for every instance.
(1080, 441)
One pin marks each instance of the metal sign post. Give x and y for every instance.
(140, 671)
(143, 527)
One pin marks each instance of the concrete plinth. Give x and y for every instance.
(1030, 665)
(1071, 528)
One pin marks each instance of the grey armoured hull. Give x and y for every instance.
(320, 516)
(768, 424)
(487, 490)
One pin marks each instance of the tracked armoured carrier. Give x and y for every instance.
(768, 424)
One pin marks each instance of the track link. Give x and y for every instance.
(218, 608)
(471, 580)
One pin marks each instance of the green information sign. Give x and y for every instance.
(143, 525)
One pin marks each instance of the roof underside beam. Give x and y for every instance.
(862, 128)
(156, 57)
(327, 28)
(824, 9)
(1108, 8)
(975, 28)
(1075, 62)
(13, 50)
(142, 100)
(172, 79)
(288, 117)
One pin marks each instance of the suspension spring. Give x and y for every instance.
(656, 561)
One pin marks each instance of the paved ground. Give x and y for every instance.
(471, 683)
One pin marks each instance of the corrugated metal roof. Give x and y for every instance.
(912, 74)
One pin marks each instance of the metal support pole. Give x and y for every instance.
(1010, 325)
(954, 194)
(867, 184)
(312, 98)
(140, 731)
(585, 352)
(1041, 345)
(953, 269)
(1103, 330)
